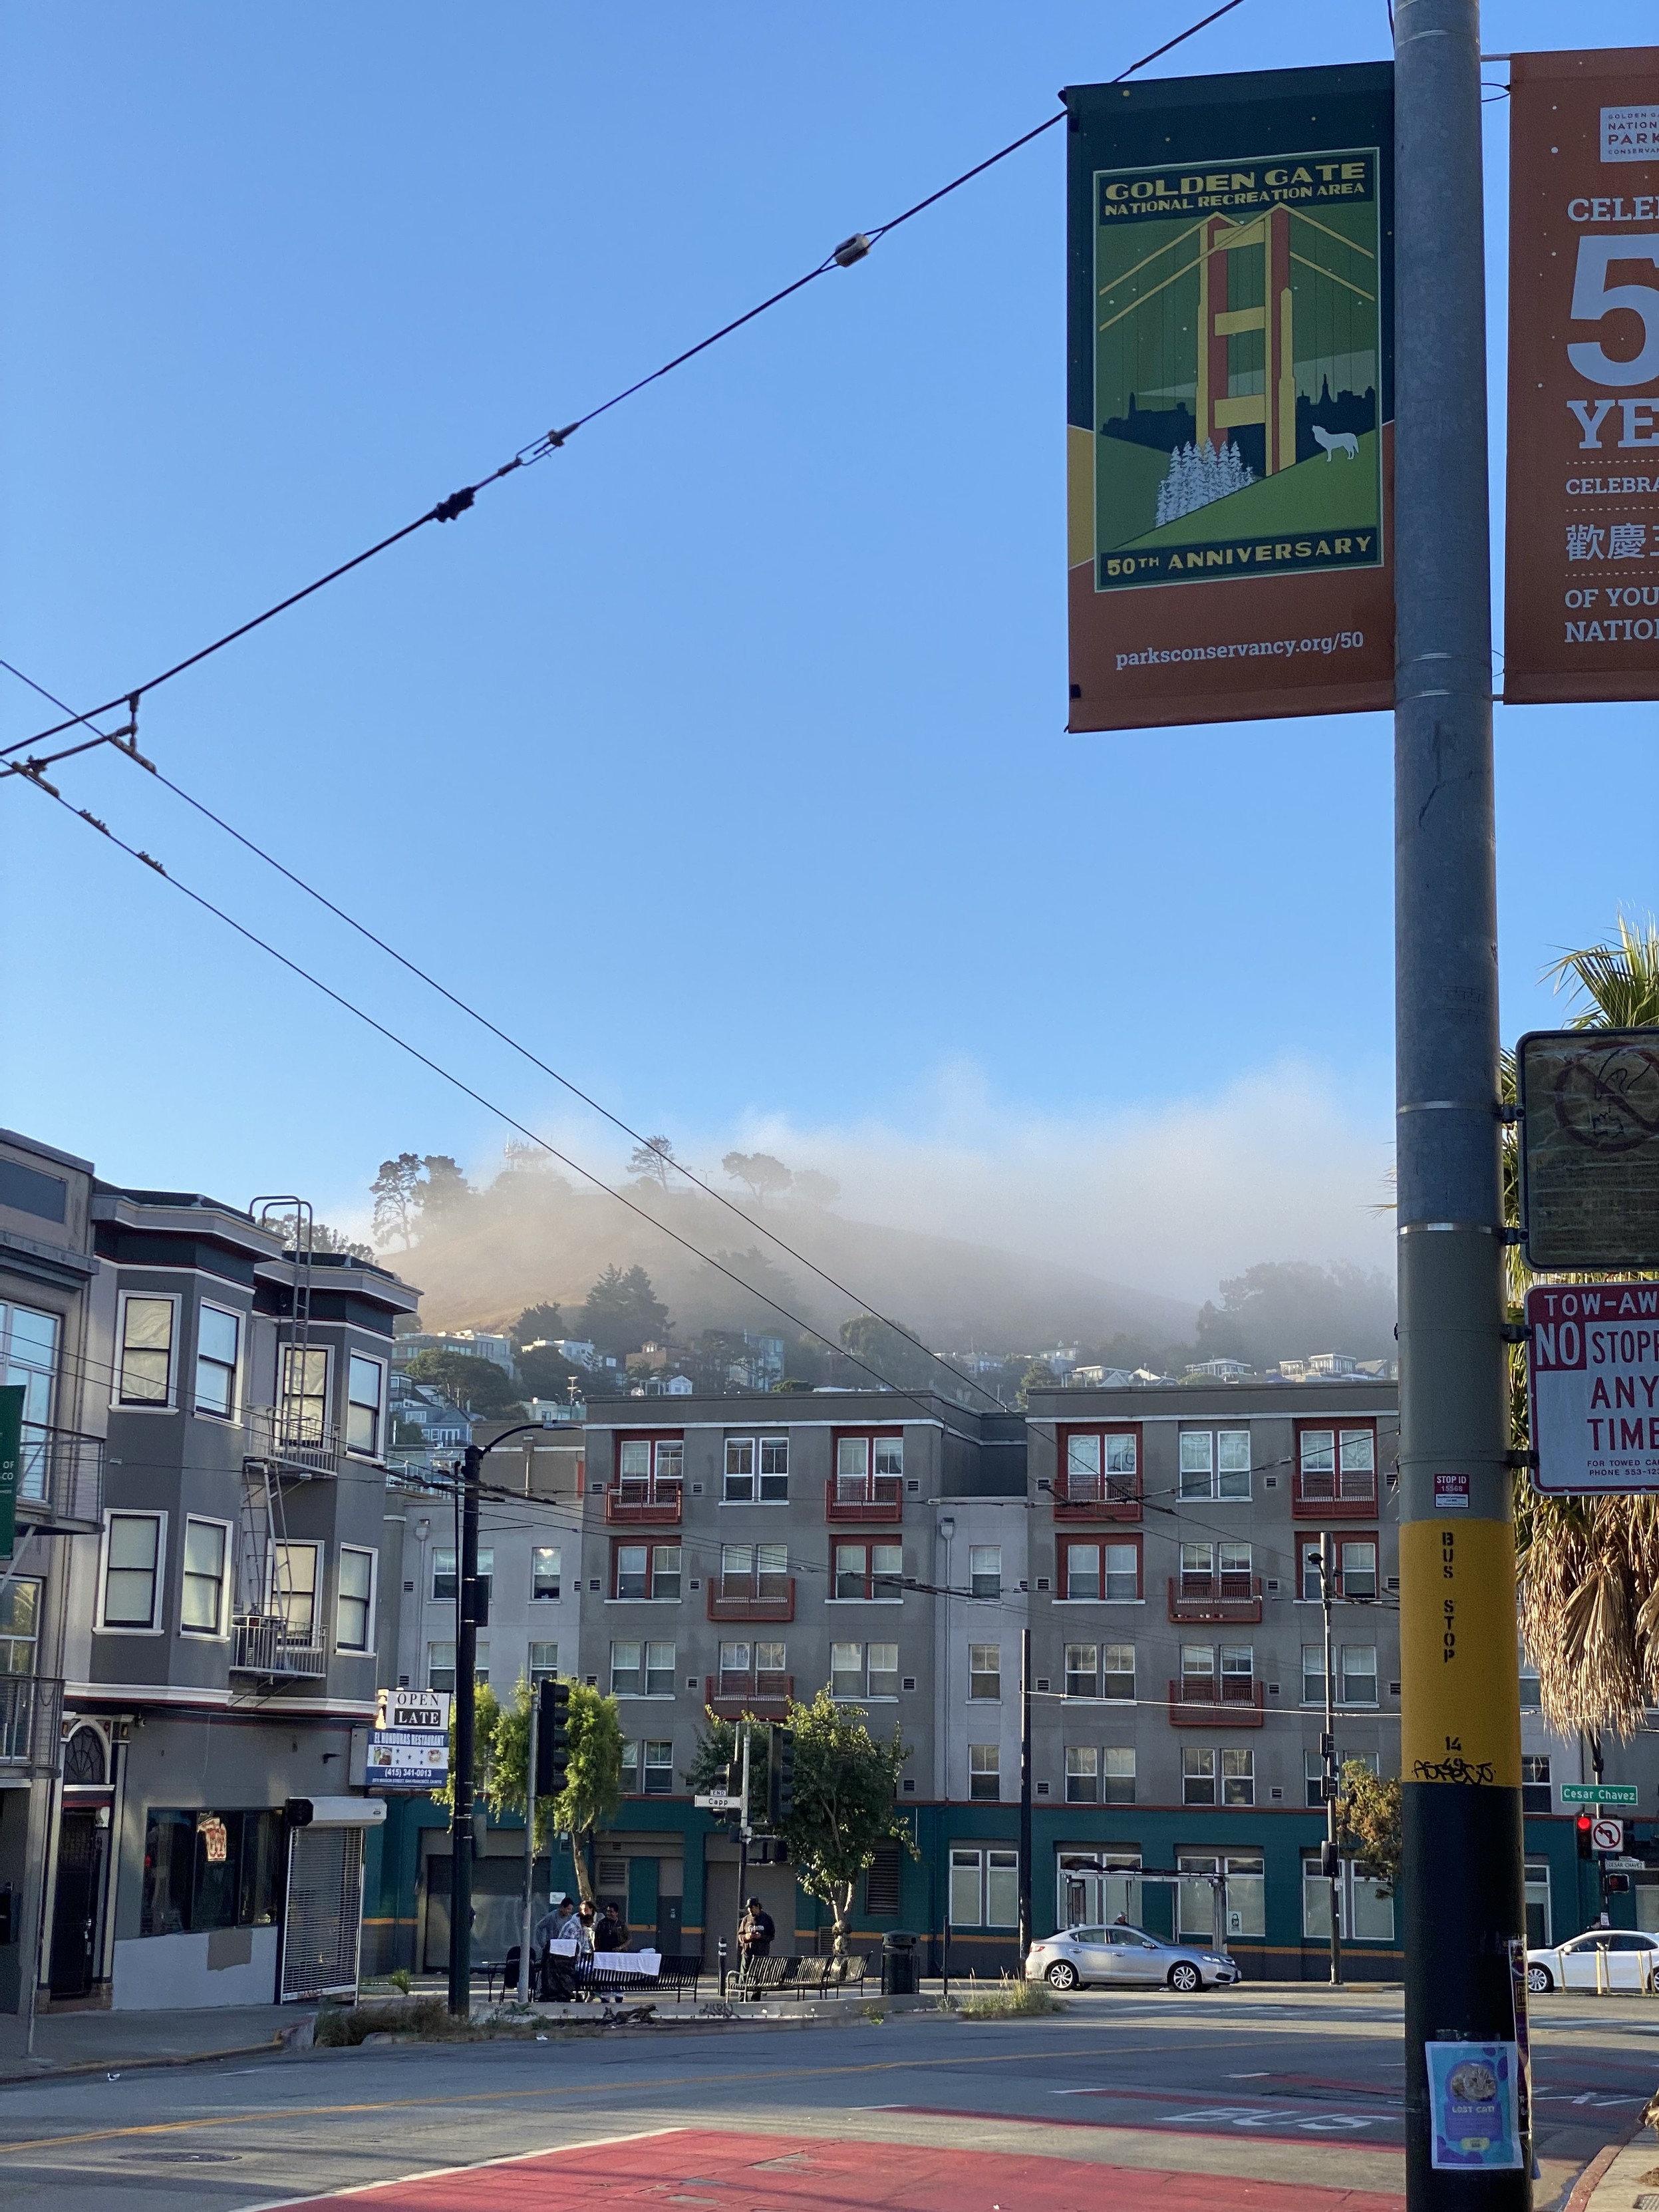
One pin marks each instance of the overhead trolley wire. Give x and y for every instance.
(845, 256)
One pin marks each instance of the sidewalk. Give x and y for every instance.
(67, 2041)
(1629, 2180)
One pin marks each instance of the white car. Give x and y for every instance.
(1599, 1959)
(1122, 1956)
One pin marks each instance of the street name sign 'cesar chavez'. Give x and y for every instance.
(1231, 397)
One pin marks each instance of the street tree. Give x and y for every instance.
(1368, 1819)
(593, 1791)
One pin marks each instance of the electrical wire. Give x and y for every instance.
(845, 256)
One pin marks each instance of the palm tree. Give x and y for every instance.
(1589, 1567)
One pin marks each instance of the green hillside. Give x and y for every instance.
(1315, 495)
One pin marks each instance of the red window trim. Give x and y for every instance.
(865, 1544)
(648, 1540)
(653, 1438)
(1099, 1538)
(1335, 1424)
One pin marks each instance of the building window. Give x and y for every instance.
(658, 1770)
(1313, 1674)
(365, 1388)
(867, 1467)
(1197, 1463)
(444, 1580)
(1358, 1676)
(1334, 1465)
(20, 1628)
(294, 1590)
(859, 1671)
(1356, 1567)
(201, 1598)
(870, 1572)
(985, 1569)
(984, 1771)
(1117, 1775)
(745, 1484)
(1245, 1894)
(440, 1668)
(544, 1561)
(1535, 1792)
(1092, 1569)
(1237, 1778)
(641, 1670)
(754, 1571)
(985, 1670)
(1215, 1465)
(1310, 1553)
(207, 1870)
(28, 1359)
(132, 1560)
(1082, 1774)
(218, 1335)
(739, 1471)
(1365, 1914)
(1313, 1776)
(753, 1671)
(647, 1570)
(354, 1603)
(774, 1470)
(1197, 1778)
(984, 1888)
(1083, 1671)
(1117, 1673)
(1531, 1687)
(544, 1662)
(304, 1394)
(146, 1373)
(1101, 1466)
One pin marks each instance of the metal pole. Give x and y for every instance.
(1328, 1765)
(1024, 1794)
(529, 1849)
(1460, 1888)
(466, 1662)
(743, 1850)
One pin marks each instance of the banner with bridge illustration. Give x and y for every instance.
(1232, 397)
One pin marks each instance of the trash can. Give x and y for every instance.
(899, 1964)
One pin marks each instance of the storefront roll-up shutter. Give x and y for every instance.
(325, 1916)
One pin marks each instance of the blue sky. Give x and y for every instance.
(722, 756)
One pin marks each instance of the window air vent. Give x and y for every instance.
(909, 1681)
(596, 1489)
(691, 1682)
(1042, 1681)
(1272, 1585)
(1394, 1689)
(594, 1584)
(1022, 1581)
(1043, 1582)
(1272, 1689)
(910, 1783)
(697, 1490)
(1270, 1482)
(695, 1584)
(1042, 1789)
(1277, 1793)
(1393, 1584)
(912, 1489)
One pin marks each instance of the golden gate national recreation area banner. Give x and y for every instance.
(1231, 389)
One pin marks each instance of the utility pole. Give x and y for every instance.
(1329, 1766)
(1460, 1888)
(744, 1832)
(466, 1662)
(1024, 1794)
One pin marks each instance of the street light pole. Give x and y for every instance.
(1329, 1767)
(1460, 1889)
(1025, 1795)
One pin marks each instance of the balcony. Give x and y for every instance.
(634, 1499)
(1089, 1496)
(1194, 1703)
(265, 1645)
(1219, 1598)
(289, 1440)
(30, 1710)
(60, 1482)
(752, 1597)
(1331, 1498)
(864, 1498)
(763, 1697)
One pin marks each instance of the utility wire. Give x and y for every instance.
(845, 256)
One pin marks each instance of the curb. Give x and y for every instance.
(140, 2065)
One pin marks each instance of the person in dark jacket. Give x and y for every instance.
(756, 1931)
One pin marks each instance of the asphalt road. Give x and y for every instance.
(1299, 2090)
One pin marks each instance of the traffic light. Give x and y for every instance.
(781, 1777)
(1330, 1864)
(1583, 1826)
(552, 1737)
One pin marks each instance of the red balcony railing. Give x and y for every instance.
(863, 1497)
(1200, 1701)
(752, 1597)
(765, 1695)
(1235, 1598)
(631, 1501)
(1084, 1497)
(1316, 1497)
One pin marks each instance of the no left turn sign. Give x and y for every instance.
(1608, 1835)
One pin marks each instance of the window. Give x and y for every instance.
(756, 1670)
(868, 1465)
(544, 1561)
(984, 1888)
(218, 1335)
(754, 1571)
(1238, 1673)
(440, 1668)
(1310, 1552)
(1536, 1793)
(201, 1599)
(1313, 1774)
(1197, 1778)
(1197, 1565)
(1197, 1670)
(1088, 1569)
(647, 1570)
(146, 1372)
(1117, 1675)
(354, 1603)
(985, 1569)
(304, 1394)
(1313, 1674)
(739, 1470)
(1079, 1571)
(648, 1465)
(1117, 1775)
(1197, 1463)
(20, 1621)
(1082, 1774)
(443, 1577)
(1232, 1463)
(132, 1558)
(1215, 1465)
(873, 1572)
(1101, 1465)
(985, 1670)
(864, 1670)
(1358, 1676)
(1237, 1778)
(1082, 1670)
(365, 1387)
(28, 1361)
(984, 1771)
(1333, 1465)
(294, 1588)
(1356, 1568)
(1365, 1915)
(206, 1870)
(641, 1670)
(481, 1661)
(774, 1470)
(544, 1662)
(659, 1768)
(1244, 1893)
(742, 1477)
(443, 1580)
(1531, 1689)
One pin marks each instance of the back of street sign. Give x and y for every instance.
(1592, 1373)
(1589, 1147)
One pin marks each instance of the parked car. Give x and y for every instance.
(1628, 1960)
(1121, 1956)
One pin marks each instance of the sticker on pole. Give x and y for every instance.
(1451, 1493)
(1607, 1835)
(1593, 1368)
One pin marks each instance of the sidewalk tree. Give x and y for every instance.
(1369, 1819)
(593, 1791)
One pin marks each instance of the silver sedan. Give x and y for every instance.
(1124, 1956)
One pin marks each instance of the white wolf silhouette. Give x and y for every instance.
(1336, 442)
